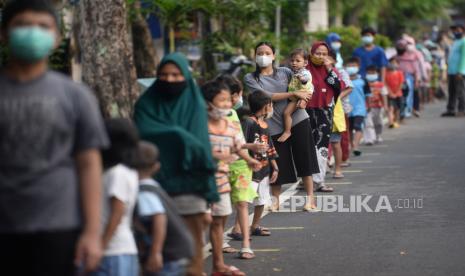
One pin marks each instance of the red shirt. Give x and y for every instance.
(394, 81)
(376, 99)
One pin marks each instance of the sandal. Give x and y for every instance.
(260, 231)
(236, 236)
(325, 189)
(345, 164)
(227, 249)
(311, 209)
(246, 254)
(338, 176)
(231, 271)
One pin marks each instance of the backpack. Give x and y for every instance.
(178, 243)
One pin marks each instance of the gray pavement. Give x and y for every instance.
(420, 166)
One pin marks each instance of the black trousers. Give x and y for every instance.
(456, 94)
(38, 254)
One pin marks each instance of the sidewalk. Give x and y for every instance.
(425, 159)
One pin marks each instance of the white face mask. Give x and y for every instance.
(372, 77)
(218, 113)
(410, 47)
(336, 45)
(263, 61)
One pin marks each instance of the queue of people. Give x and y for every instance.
(143, 193)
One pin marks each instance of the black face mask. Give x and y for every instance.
(401, 51)
(170, 90)
(458, 35)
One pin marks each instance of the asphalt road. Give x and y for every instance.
(419, 172)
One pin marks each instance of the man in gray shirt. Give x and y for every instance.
(51, 134)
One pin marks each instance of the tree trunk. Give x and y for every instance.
(145, 55)
(107, 55)
(172, 38)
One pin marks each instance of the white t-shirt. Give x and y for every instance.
(120, 182)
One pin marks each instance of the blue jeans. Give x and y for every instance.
(175, 268)
(118, 265)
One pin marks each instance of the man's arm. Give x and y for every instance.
(89, 168)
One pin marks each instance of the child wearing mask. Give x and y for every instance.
(357, 100)
(240, 175)
(376, 104)
(301, 81)
(394, 82)
(226, 141)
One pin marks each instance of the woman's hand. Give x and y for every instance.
(302, 95)
(328, 63)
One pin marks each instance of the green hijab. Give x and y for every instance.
(179, 127)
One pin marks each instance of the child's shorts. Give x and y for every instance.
(223, 207)
(335, 137)
(240, 177)
(356, 123)
(263, 191)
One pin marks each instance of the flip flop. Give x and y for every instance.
(338, 176)
(325, 189)
(260, 231)
(236, 236)
(244, 251)
(232, 271)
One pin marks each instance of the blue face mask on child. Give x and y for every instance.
(352, 70)
(372, 77)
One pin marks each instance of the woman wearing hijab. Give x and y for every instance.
(297, 154)
(320, 108)
(334, 41)
(172, 114)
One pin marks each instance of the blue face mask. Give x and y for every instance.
(239, 104)
(372, 77)
(367, 39)
(352, 70)
(31, 44)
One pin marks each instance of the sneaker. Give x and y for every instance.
(379, 140)
(460, 114)
(357, 152)
(448, 114)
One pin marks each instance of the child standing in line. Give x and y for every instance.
(165, 244)
(394, 81)
(301, 82)
(240, 176)
(120, 188)
(339, 121)
(376, 104)
(226, 140)
(256, 131)
(358, 102)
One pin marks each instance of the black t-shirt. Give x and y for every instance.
(259, 134)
